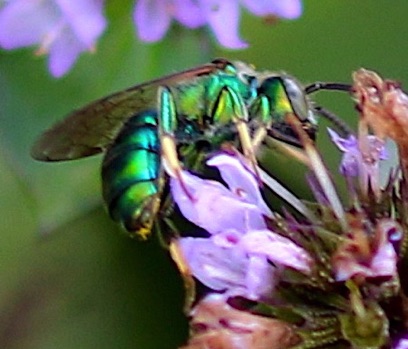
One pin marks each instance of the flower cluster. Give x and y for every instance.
(241, 257)
(153, 17)
(66, 28)
(62, 28)
(322, 274)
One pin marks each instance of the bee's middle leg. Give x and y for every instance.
(231, 107)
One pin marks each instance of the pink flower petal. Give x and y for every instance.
(282, 8)
(63, 53)
(260, 278)
(216, 267)
(240, 181)
(152, 19)
(62, 28)
(289, 9)
(38, 17)
(223, 18)
(214, 207)
(189, 13)
(228, 270)
(85, 19)
(277, 249)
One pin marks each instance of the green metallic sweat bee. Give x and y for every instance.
(175, 119)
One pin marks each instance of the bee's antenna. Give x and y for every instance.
(327, 114)
(334, 86)
(333, 118)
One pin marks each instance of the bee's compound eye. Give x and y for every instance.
(297, 98)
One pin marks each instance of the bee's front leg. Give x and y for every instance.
(167, 113)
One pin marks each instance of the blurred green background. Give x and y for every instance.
(68, 278)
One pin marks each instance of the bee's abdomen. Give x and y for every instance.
(131, 174)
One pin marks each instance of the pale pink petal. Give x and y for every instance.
(216, 267)
(152, 19)
(223, 18)
(85, 19)
(282, 8)
(63, 53)
(277, 249)
(260, 277)
(384, 262)
(289, 9)
(189, 13)
(25, 23)
(62, 28)
(212, 206)
(228, 270)
(240, 181)
(257, 7)
(344, 144)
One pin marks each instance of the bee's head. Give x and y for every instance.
(285, 95)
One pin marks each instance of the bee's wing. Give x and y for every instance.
(92, 128)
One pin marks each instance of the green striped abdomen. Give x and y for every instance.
(132, 176)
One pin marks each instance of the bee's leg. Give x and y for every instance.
(230, 106)
(260, 133)
(165, 229)
(167, 126)
(194, 159)
(169, 238)
(186, 274)
(263, 121)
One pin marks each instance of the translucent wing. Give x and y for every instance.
(92, 128)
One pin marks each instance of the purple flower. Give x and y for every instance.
(401, 343)
(237, 257)
(153, 17)
(216, 208)
(289, 9)
(62, 28)
(361, 158)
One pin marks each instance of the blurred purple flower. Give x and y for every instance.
(236, 257)
(401, 343)
(289, 9)
(153, 17)
(62, 28)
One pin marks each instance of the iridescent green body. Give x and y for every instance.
(131, 178)
(201, 105)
